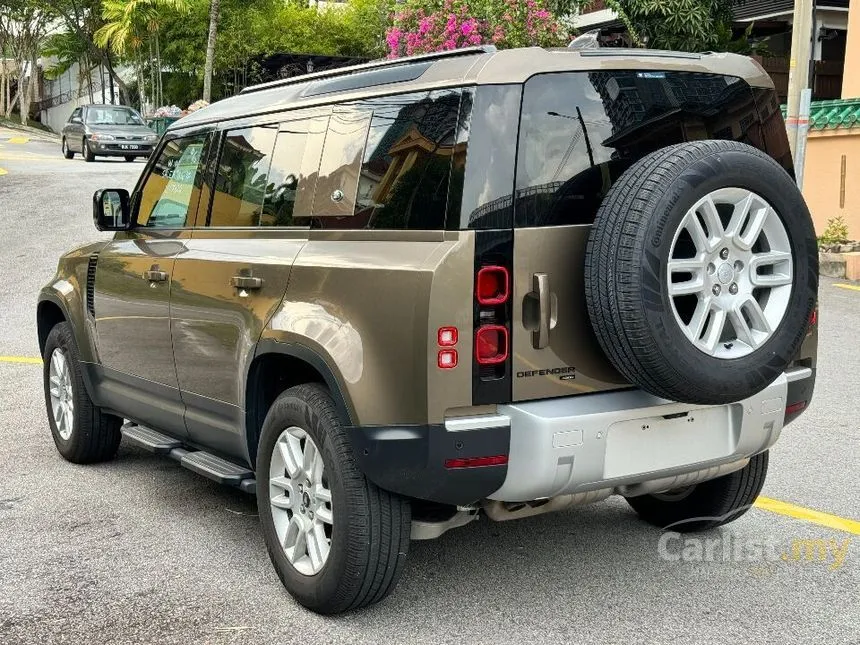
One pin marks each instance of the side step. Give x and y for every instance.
(198, 461)
(150, 439)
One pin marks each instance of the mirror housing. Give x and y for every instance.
(112, 209)
(76, 119)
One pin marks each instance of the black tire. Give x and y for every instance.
(625, 272)
(129, 158)
(95, 435)
(707, 505)
(86, 152)
(68, 154)
(371, 527)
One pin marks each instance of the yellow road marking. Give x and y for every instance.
(3, 172)
(20, 157)
(19, 140)
(809, 515)
(20, 359)
(848, 286)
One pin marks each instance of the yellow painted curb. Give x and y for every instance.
(809, 515)
(853, 287)
(20, 359)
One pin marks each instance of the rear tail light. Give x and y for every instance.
(795, 407)
(447, 336)
(447, 359)
(493, 285)
(475, 462)
(491, 344)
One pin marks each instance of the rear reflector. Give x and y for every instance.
(795, 407)
(447, 359)
(476, 462)
(492, 285)
(447, 336)
(813, 317)
(491, 344)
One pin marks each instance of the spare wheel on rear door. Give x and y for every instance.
(702, 271)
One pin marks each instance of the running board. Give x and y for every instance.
(198, 461)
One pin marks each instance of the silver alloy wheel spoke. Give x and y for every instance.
(730, 273)
(61, 393)
(300, 501)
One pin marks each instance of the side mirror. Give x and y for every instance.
(76, 119)
(111, 210)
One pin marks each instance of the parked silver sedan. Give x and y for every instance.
(109, 131)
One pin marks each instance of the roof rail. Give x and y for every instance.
(388, 62)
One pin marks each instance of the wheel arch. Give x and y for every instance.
(49, 314)
(276, 367)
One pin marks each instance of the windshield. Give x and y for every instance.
(113, 116)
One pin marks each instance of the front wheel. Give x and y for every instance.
(86, 152)
(707, 505)
(68, 154)
(129, 158)
(82, 432)
(336, 540)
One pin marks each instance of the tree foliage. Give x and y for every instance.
(683, 25)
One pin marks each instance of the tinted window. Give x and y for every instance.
(580, 131)
(489, 124)
(242, 177)
(388, 163)
(292, 174)
(171, 192)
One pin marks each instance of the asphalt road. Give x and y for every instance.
(139, 550)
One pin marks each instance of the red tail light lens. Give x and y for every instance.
(447, 359)
(475, 462)
(813, 318)
(492, 285)
(491, 344)
(447, 336)
(795, 407)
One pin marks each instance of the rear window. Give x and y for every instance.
(580, 131)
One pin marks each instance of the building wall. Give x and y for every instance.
(827, 192)
(851, 79)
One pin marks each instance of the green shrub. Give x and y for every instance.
(835, 233)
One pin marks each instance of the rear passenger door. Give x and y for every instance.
(234, 272)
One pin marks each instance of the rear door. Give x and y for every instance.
(235, 269)
(578, 133)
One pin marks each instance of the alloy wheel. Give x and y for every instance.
(62, 393)
(300, 500)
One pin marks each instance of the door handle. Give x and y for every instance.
(540, 285)
(155, 274)
(246, 282)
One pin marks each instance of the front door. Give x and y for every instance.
(234, 273)
(131, 295)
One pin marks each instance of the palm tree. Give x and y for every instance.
(127, 24)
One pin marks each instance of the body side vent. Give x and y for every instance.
(91, 283)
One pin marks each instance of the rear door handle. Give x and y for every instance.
(246, 282)
(540, 285)
(155, 274)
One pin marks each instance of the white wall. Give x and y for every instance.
(68, 84)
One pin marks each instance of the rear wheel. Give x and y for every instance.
(86, 152)
(68, 154)
(336, 540)
(707, 505)
(82, 433)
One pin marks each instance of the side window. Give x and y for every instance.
(388, 163)
(293, 172)
(171, 192)
(407, 165)
(242, 177)
(76, 113)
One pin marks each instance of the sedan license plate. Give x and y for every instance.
(128, 146)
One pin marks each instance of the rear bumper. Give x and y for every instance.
(627, 442)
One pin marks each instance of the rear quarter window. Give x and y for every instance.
(580, 131)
